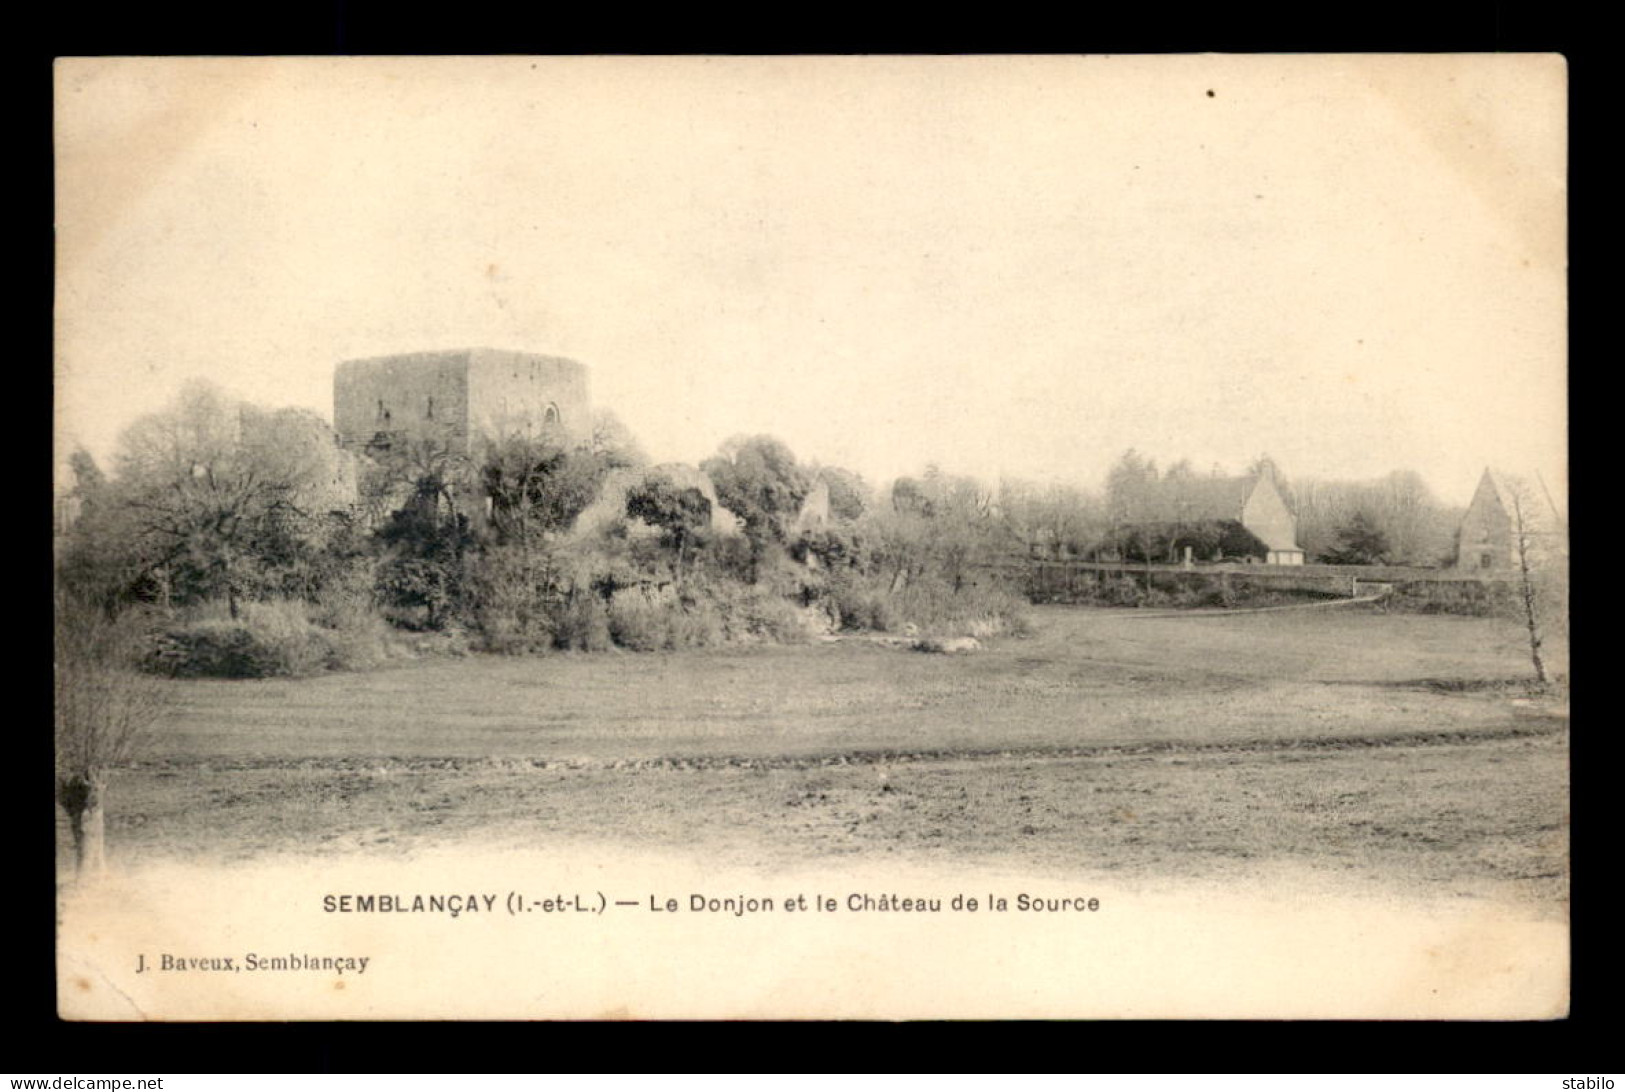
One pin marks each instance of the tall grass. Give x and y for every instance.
(705, 614)
(928, 605)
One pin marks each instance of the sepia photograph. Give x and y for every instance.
(811, 537)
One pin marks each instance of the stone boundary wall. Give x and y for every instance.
(1442, 591)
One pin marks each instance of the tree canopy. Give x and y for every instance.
(849, 495)
(758, 479)
(211, 497)
(681, 512)
(1360, 542)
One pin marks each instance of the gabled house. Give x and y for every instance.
(1485, 539)
(1245, 516)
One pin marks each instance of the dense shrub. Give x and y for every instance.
(706, 614)
(769, 617)
(831, 548)
(752, 614)
(1203, 592)
(1122, 591)
(360, 643)
(641, 621)
(448, 641)
(1178, 589)
(581, 624)
(698, 625)
(513, 607)
(935, 608)
(508, 635)
(616, 607)
(729, 557)
(928, 605)
(1464, 597)
(649, 620)
(420, 593)
(346, 612)
(1221, 592)
(278, 638)
(862, 606)
(267, 639)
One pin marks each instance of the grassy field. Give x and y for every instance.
(1401, 747)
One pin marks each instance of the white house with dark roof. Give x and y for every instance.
(1251, 505)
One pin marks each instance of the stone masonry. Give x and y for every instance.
(459, 396)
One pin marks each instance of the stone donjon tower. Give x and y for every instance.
(458, 396)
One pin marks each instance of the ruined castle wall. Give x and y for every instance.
(411, 396)
(523, 394)
(610, 504)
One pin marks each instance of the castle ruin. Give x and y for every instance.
(457, 397)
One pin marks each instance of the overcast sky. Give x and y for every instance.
(1006, 266)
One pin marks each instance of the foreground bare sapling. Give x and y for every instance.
(104, 708)
(1539, 548)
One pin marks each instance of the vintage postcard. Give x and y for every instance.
(811, 537)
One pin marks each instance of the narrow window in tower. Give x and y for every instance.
(551, 417)
(429, 412)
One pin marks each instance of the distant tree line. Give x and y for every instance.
(1394, 520)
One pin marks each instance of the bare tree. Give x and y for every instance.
(614, 443)
(103, 709)
(1538, 546)
(206, 487)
